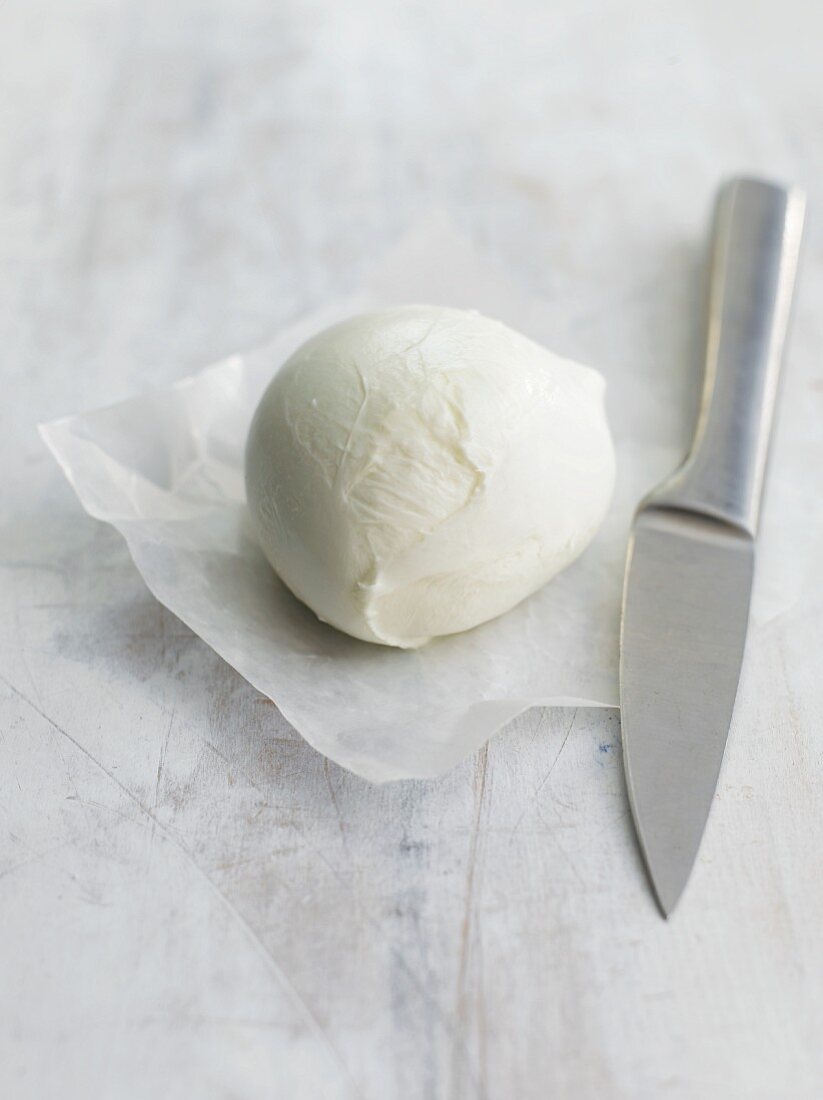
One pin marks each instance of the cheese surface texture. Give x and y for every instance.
(420, 470)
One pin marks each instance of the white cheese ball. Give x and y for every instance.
(418, 471)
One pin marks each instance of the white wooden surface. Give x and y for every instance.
(192, 902)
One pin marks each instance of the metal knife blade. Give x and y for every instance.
(684, 627)
(691, 552)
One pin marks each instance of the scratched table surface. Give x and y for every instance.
(194, 903)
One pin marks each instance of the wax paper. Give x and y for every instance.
(166, 470)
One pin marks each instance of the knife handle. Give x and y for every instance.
(757, 232)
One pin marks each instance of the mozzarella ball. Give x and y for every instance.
(417, 471)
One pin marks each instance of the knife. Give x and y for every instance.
(692, 545)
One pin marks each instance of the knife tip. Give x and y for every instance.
(667, 874)
(668, 868)
(667, 898)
